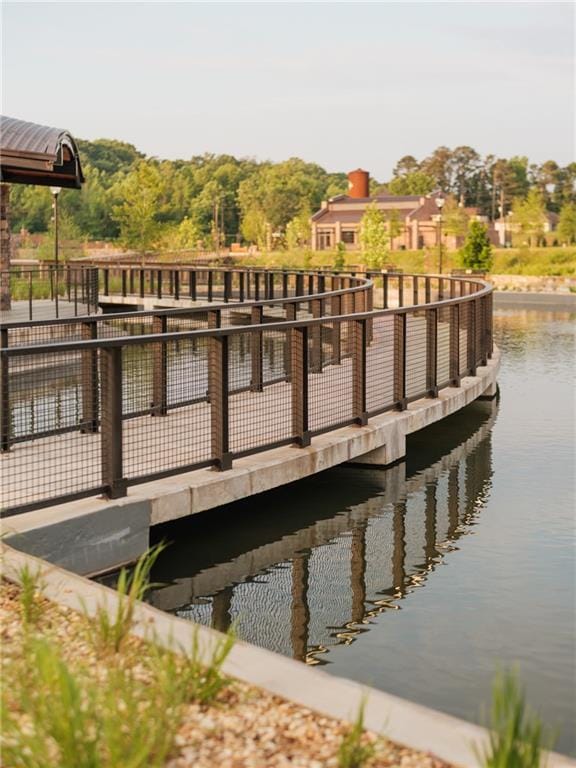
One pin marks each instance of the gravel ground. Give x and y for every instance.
(244, 728)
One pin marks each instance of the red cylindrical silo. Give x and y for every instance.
(359, 183)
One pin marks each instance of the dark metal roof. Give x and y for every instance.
(38, 154)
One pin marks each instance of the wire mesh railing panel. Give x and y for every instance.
(260, 402)
(415, 354)
(329, 386)
(380, 364)
(443, 347)
(173, 431)
(53, 451)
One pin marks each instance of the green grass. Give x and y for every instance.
(517, 736)
(110, 629)
(354, 752)
(29, 597)
(120, 710)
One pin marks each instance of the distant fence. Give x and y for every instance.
(94, 404)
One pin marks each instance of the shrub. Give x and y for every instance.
(477, 251)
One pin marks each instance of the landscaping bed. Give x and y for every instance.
(82, 691)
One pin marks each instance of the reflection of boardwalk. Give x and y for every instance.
(318, 586)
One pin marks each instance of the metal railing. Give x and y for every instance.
(95, 404)
(71, 289)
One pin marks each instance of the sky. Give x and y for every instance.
(344, 85)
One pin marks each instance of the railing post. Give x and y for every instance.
(107, 282)
(192, 284)
(159, 369)
(89, 378)
(142, 276)
(455, 345)
(177, 284)
(159, 283)
(4, 394)
(299, 385)
(285, 285)
(440, 288)
(400, 290)
(256, 286)
(124, 289)
(227, 286)
(299, 284)
(431, 353)
(218, 395)
(310, 284)
(270, 285)
(359, 340)
(316, 337)
(483, 330)
(471, 338)
(415, 290)
(427, 291)
(489, 322)
(291, 313)
(112, 469)
(210, 284)
(257, 377)
(400, 361)
(131, 280)
(385, 291)
(241, 279)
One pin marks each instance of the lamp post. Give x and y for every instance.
(55, 192)
(440, 204)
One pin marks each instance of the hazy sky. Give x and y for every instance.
(341, 84)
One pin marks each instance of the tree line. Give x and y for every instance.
(146, 202)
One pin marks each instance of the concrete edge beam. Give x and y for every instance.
(404, 722)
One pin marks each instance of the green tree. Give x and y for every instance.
(255, 228)
(567, 223)
(456, 220)
(298, 230)
(340, 257)
(414, 183)
(394, 226)
(374, 238)
(477, 251)
(138, 197)
(529, 216)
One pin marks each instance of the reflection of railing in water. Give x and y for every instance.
(323, 584)
(338, 363)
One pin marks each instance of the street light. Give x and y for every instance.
(440, 204)
(55, 192)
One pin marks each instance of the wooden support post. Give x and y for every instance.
(107, 282)
(455, 345)
(385, 291)
(177, 284)
(299, 362)
(400, 290)
(159, 283)
(285, 277)
(218, 396)
(241, 290)
(431, 353)
(159, 369)
(256, 357)
(124, 291)
(142, 282)
(89, 379)
(415, 290)
(111, 436)
(291, 313)
(359, 340)
(210, 284)
(400, 362)
(427, 291)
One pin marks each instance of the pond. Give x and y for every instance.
(421, 579)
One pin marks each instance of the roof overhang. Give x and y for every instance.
(38, 154)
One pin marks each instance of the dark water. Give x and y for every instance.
(421, 579)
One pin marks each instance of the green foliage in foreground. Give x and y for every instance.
(517, 737)
(353, 751)
(109, 629)
(122, 712)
